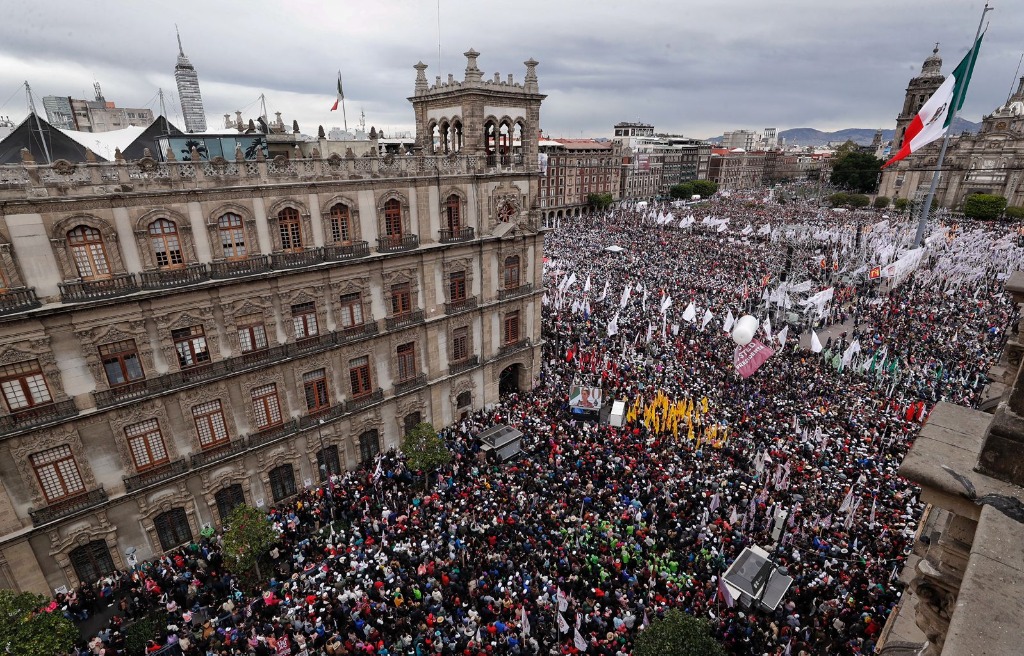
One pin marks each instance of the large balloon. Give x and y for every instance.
(745, 329)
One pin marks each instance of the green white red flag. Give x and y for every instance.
(341, 94)
(935, 116)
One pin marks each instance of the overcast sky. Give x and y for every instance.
(687, 67)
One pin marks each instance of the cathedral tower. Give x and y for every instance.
(919, 90)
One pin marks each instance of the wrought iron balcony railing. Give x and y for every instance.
(67, 507)
(38, 415)
(218, 453)
(463, 365)
(397, 243)
(361, 402)
(296, 259)
(461, 305)
(514, 292)
(18, 299)
(155, 475)
(170, 278)
(448, 236)
(89, 290)
(273, 433)
(349, 251)
(244, 267)
(404, 320)
(417, 381)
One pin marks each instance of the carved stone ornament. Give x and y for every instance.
(64, 167)
(461, 385)
(137, 413)
(22, 449)
(146, 164)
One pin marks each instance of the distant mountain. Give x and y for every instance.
(861, 136)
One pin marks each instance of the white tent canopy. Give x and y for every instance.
(615, 249)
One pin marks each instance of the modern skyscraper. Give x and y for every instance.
(188, 91)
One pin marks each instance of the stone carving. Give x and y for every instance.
(22, 449)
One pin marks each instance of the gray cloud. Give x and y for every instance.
(696, 68)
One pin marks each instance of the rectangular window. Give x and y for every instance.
(121, 362)
(146, 444)
(266, 407)
(210, 424)
(512, 327)
(407, 361)
(252, 336)
(282, 482)
(57, 472)
(314, 384)
(351, 310)
(327, 462)
(460, 344)
(457, 286)
(23, 385)
(359, 376)
(512, 272)
(401, 299)
(304, 320)
(190, 343)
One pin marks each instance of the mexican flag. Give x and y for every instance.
(341, 94)
(935, 116)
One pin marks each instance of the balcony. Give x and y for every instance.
(200, 373)
(513, 347)
(259, 356)
(120, 393)
(18, 299)
(313, 343)
(410, 384)
(463, 365)
(68, 507)
(219, 453)
(363, 401)
(459, 234)
(40, 414)
(404, 320)
(292, 260)
(244, 267)
(461, 305)
(89, 290)
(397, 243)
(515, 292)
(325, 415)
(336, 252)
(170, 278)
(346, 335)
(273, 434)
(155, 475)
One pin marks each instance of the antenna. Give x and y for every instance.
(263, 108)
(163, 108)
(39, 126)
(1015, 74)
(439, 36)
(181, 51)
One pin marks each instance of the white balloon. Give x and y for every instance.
(745, 329)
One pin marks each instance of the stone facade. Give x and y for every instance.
(178, 337)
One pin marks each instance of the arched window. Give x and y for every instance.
(291, 229)
(163, 235)
(232, 236)
(172, 528)
(341, 226)
(393, 218)
(89, 253)
(511, 274)
(92, 561)
(452, 211)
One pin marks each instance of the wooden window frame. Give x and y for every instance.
(341, 224)
(204, 415)
(393, 228)
(47, 466)
(266, 406)
(304, 320)
(289, 228)
(352, 311)
(118, 352)
(149, 435)
(360, 377)
(511, 332)
(406, 358)
(86, 246)
(401, 299)
(228, 227)
(160, 235)
(191, 341)
(315, 388)
(460, 344)
(457, 286)
(24, 376)
(512, 274)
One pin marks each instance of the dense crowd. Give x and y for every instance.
(596, 530)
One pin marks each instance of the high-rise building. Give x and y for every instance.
(187, 80)
(96, 115)
(169, 353)
(58, 112)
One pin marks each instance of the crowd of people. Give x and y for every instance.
(594, 531)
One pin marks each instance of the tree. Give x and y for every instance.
(1014, 212)
(706, 188)
(985, 207)
(424, 450)
(901, 204)
(858, 200)
(599, 201)
(857, 172)
(29, 627)
(881, 202)
(681, 191)
(247, 538)
(839, 199)
(678, 634)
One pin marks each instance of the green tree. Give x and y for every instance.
(881, 202)
(901, 204)
(858, 200)
(26, 628)
(856, 171)
(678, 634)
(681, 191)
(248, 536)
(706, 188)
(424, 450)
(142, 630)
(839, 199)
(599, 201)
(1014, 212)
(985, 207)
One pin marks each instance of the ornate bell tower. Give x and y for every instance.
(919, 90)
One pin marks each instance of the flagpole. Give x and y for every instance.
(945, 139)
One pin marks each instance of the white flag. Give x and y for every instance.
(766, 325)
(605, 291)
(625, 295)
(815, 343)
(571, 281)
(782, 335)
(563, 603)
(586, 285)
(525, 621)
(690, 314)
(666, 302)
(563, 626)
(578, 640)
(730, 321)
(850, 351)
(613, 326)
(707, 319)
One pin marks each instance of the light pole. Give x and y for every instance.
(324, 470)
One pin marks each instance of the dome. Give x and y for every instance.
(932, 66)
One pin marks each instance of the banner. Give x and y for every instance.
(748, 359)
(586, 398)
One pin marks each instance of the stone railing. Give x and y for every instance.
(155, 475)
(66, 507)
(461, 305)
(364, 401)
(37, 416)
(170, 278)
(450, 236)
(397, 244)
(416, 382)
(66, 179)
(89, 290)
(404, 320)
(244, 267)
(18, 300)
(335, 252)
(219, 453)
(514, 292)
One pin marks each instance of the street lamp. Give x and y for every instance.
(323, 450)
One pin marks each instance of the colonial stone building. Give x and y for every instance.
(989, 162)
(571, 170)
(178, 337)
